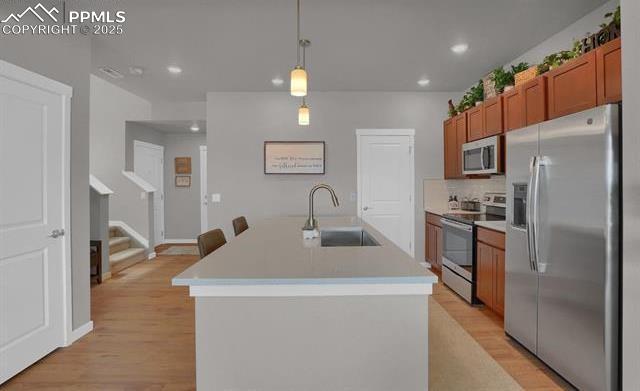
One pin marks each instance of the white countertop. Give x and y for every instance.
(272, 258)
(494, 225)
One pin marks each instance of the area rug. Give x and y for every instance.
(457, 361)
(181, 250)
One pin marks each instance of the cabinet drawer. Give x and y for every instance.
(491, 237)
(572, 86)
(434, 219)
(609, 72)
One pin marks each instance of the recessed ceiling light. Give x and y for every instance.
(459, 48)
(174, 69)
(277, 81)
(195, 127)
(424, 82)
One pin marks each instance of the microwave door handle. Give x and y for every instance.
(482, 158)
(529, 215)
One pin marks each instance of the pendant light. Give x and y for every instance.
(298, 74)
(303, 110)
(303, 114)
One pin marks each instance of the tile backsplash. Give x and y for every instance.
(437, 191)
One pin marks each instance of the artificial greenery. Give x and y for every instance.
(614, 17)
(556, 59)
(501, 78)
(521, 67)
(469, 99)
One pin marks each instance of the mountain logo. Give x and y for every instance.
(34, 11)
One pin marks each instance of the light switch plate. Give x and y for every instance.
(215, 197)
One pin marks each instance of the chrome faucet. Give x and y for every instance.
(312, 223)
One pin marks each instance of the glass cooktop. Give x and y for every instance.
(467, 218)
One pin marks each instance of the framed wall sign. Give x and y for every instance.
(294, 157)
(183, 181)
(183, 165)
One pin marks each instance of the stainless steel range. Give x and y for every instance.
(459, 245)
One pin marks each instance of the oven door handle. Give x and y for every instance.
(464, 227)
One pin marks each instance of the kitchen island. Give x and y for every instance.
(277, 312)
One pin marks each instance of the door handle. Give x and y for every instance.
(529, 215)
(56, 233)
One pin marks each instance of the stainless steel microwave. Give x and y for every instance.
(482, 156)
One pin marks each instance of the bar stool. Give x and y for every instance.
(240, 225)
(210, 241)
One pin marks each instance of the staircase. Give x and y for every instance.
(121, 253)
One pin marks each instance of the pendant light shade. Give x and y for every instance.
(298, 81)
(303, 115)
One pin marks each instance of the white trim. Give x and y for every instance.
(130, 231)
(389, 132)
(98, 186)
(141, 183)
(159, 223)
(79, 333)
(180, 241)
(309, 290)
(385, 132)
(204, 198)
(33, 79)
(151, 255)
(138, 143)
(66, 210)
(106, 276)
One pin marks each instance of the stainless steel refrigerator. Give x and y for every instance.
(562, 246)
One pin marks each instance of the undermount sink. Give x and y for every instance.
(346, 237)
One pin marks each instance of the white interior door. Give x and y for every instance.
(34, 269)
(386, 183)
(204, 220)
(148, 163)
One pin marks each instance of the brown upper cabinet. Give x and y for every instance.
(534, 95)
(526, 104)
(513, 109)
(572, 86)
(461, 133)
(609, 72)
(492, 109)
(475, 126)
(455, 134)
(450, 145)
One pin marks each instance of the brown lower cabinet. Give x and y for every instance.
(490, 269)
(433, 241)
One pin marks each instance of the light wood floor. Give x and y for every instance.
(143, 338)
(487, 329)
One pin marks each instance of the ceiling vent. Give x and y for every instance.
(112, 73)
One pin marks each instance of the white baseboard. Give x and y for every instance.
(130, 231)
(151, 255)
(106, 276)
(180, 241)
(79, 332)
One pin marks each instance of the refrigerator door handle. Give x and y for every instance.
(529, 214)
(539, 266)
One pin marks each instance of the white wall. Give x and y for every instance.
(564, 39)
(631, 195)
(68, 61)
(111, 107)
(239, 123)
